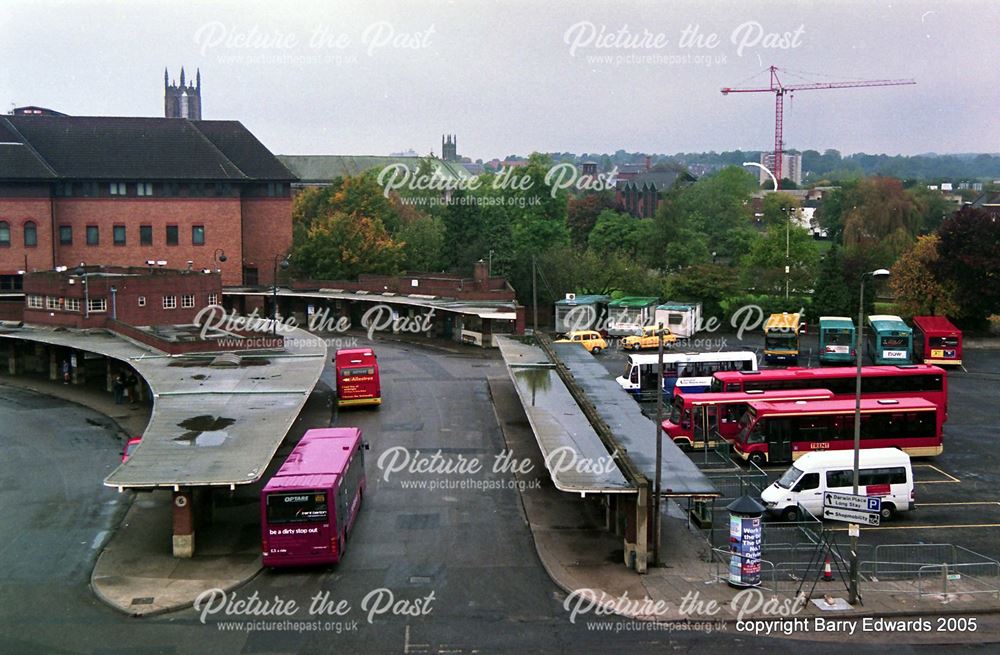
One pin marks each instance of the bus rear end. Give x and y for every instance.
(836, 340)
(298, 521)
(937, 341)
(357, 377)
(781, 338)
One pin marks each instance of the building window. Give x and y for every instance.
(30, 234)
(34, 302)
(187, 301)
(171, 189)
(145, 235)
(144, 188)
(172, 239)
(213, 299)
(275, 189)
(89, 189)
(142, 301)
(250, 277)
(4, 233)
(118, 232)
(65, 235)
(198, 235)
(169, 302)
(52, 302)
(93, 235)
(64, 189)
(72, 304)
(117, 188)
(97, 305)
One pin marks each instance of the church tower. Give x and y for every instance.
(449, 147)
(182, 100)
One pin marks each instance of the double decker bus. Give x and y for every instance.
(778, 432)
(357, 377)
(692, 416)
(890, 340)
(836, 339)
(903, 381)
(307, 510)
(690, 372)
(781, 338)
(936, 341)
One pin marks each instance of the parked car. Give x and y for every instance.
(130, 447)
(589, 339)
(648, 339)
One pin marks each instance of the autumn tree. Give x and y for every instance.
(969, 262)
(340, 246)
(914, 285)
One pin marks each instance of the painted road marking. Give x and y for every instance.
(964, 502)
(949, 478)
(924, 527)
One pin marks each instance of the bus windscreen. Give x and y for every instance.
(837, 337)
(894, 342)
(780, 340)
(297, 508)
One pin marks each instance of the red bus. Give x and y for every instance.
(307, 510)
(357, 377)
(689, 412)
(777, 432)
(936, 341)
(900, 381)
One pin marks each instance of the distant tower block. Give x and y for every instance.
(182, 100)
(449, 147)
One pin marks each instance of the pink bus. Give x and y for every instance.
(309, 507)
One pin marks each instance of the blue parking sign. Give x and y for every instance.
(874, 504)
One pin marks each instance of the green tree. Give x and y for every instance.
(882, 223)
(914, 285)
(582, 213)
(832, 295)
(622, 232)
(764, 266)
(341, 246)
(360, 195)
(779, 207)
(705, 283)
(969, 262)
(423, 240)
(566, 270)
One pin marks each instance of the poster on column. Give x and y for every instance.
(744, 546)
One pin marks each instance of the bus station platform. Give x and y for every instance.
(216, 421)
(575, 409)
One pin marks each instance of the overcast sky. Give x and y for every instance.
(515, 76)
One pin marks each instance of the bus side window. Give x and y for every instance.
(634, 375)
(807, 482)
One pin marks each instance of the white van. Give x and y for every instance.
(883, 472)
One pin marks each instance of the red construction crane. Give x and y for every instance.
(779, 90)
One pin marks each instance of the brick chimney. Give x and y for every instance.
(649, 163)
(481, 275)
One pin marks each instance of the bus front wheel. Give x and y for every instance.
(758, 458)
(791, 514)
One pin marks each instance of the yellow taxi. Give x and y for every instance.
(648, 339)
(589, 339)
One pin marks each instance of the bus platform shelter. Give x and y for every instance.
(216, 421)
(579, 414)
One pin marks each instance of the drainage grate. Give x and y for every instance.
(143, 600)
(420, 579)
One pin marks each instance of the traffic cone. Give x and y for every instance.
(827, 571)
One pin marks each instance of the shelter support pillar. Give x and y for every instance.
(184, 522)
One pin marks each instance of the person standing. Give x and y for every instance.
(119, 388)
(67, 371)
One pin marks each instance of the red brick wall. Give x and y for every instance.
(152, 287)
(16, 212)
(220, 216)
(267, 231)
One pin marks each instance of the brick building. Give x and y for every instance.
(122, 191)
(92, 297)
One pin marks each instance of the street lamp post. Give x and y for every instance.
(219, 257)
(659, 447)
(788, 222)
(274, 293)
(81, 272)
(875, 275)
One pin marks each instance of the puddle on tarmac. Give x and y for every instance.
(205, 430)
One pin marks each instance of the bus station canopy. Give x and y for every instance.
(210, 425)
(561, 429)
(632, 430)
